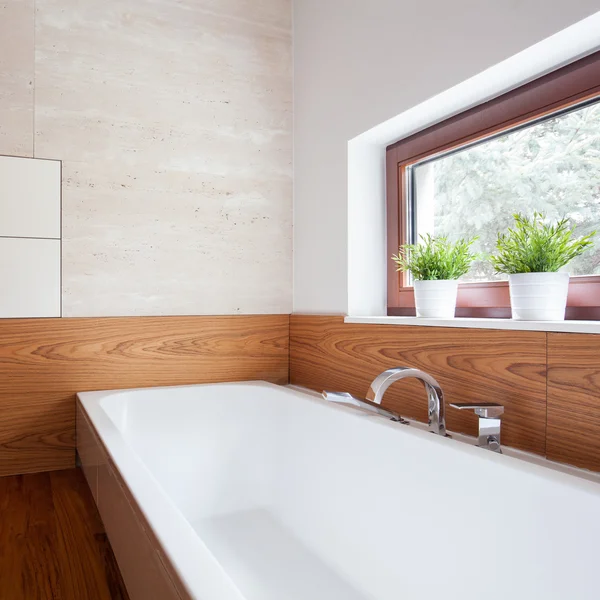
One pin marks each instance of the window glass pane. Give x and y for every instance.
(552, 166)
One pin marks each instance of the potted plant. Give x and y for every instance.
(531, 254)
(436, 264)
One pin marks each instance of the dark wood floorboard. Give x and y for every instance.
(52, 543)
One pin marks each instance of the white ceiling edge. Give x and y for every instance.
(367, 272)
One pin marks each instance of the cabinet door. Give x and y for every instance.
(29, 278)
(29, 197)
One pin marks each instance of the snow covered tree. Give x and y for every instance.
(552, 167)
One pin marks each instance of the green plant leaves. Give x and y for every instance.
(534, 246)
(436, 258)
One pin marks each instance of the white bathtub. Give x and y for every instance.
(259, 492)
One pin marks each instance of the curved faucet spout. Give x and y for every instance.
(435, 396)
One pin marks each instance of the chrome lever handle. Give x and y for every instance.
(485, 410)
(489, 414)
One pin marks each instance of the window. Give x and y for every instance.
(551, 166)
(536, 148)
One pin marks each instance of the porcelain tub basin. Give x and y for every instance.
(261, 492)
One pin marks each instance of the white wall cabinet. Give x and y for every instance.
(30, 278)
(29, 197)
(30, 231)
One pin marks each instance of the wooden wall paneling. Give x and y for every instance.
(471, 365)
(574, 399)
(44, 362)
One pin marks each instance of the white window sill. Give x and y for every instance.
(471, 323)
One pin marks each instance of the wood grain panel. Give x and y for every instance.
(44, 362)
(52, 543)
(574, 399)
(470, 364)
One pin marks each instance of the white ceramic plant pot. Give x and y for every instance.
(538, 296)
(436, 299)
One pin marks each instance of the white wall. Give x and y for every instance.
(360, 63)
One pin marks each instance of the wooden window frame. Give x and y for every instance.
(565, 87)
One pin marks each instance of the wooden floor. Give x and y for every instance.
(52, 543)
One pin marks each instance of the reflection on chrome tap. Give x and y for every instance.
(435, 396)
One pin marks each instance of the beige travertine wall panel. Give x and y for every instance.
(174, 122)
(16, 77)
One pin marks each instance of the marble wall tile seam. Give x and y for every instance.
(33, 107)
(16, 83)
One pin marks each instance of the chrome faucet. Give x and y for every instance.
(435, 396)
